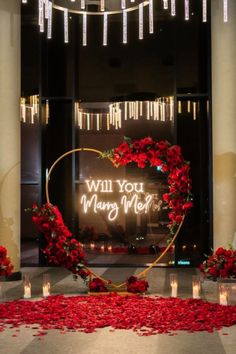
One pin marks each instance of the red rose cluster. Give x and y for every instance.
(97, 285)
(168, 158)
(5, 264)
(136, 286)
(221, 264)
(62, 248)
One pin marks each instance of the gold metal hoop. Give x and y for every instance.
(101, 13)
(146, 270)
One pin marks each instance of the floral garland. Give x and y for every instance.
(6, 266)
(136, 286)
(64, 250)
(169, 159)
(221, 264)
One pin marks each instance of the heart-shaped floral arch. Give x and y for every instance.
(65, 250)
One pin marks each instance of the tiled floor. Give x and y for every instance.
(120, 341)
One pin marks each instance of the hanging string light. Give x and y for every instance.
(165, 4)
(66, 26)
(151, 22)
(173, 7)
(186, 10)
(162, 109)
(49, 25)
(140, 21)
(204, 10)
(45, 12)
(225, 10)
(84, 29)
(124, 27)
(105, 22)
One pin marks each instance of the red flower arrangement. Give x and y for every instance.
(149, 153)
(62, 248)
(97, 285)
(5, 263)
(221, 264)
(136, 286)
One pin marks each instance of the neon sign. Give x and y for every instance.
(132, 197)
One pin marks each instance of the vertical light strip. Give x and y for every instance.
(82, 4)
(186, 10)
(123, 4)
(173, 7)
(41, 15)
(66, 26)
(84, 29)
(102, 5)
(165, 4)
(194, 110)
(105, 29)
(140, 22)
(225, 8)
(151, 22)
(46, 8)
(124, 27)
(204, 10)
(49, 28)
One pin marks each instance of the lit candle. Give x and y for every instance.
(102, 248)
(92, 245)
(109, 248)
(224, 298)
(196, 291)
(196, 286)
(174, 289)
(46, 290)
(27, 291)
(174, 285)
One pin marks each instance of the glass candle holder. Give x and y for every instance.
(223, 294)
(27, 286)
(196, 284)
(46, 285)
(174, 285)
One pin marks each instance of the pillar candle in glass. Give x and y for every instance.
(196, 286)
(46, 285)
(223, 294)
(27, 286)
(174, 285)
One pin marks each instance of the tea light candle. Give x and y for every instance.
(46, 290)
(27, 291)
(196, 291)
(102, 248)
(92, 245)
(109, 248)
(224, 298)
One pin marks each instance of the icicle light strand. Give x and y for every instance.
(105, 29)
(204, 10)
(173, 7)
(49, 27)
(66, 26)
(124, 27)
(140, 21)
(186, 10)
(151, 22)
(84, 29)
(225, 9)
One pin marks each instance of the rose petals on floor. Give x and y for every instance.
(142, 314)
